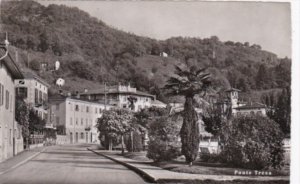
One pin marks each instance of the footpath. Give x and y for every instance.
(19, 159)
(157, 174)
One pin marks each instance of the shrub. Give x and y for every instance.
(253, 142)
(159, 150)
(164, 144)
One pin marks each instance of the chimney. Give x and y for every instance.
(60, 92)
(77, 94)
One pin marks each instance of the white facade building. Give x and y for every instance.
(119, 96)
(35, 93)
(76, 118)
(10, 132)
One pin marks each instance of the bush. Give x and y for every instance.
(159, 150)
(253, 142)
(164, 144)
(137, 142)
(212, 158)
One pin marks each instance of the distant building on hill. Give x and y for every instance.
(121, 96)
(237, 107)
(76, 118)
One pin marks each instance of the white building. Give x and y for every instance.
(76, 118)
(119, 96)
(35, 92)
(242, 108)
(11, 141)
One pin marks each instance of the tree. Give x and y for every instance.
(189, 83)
(281, 111)
(252, 141)
(36, 123)
(115, 123)
(163, 134)
(22, 117)
(213, 120)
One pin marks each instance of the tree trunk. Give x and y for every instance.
(190, 132)
(122, 142)
(110, 144)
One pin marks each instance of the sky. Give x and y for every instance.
(264, 23)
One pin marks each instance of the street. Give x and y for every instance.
(70, 164)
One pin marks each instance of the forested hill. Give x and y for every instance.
(91, 52)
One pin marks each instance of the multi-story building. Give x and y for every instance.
(120, 96)
(34, 90)
(239, 108)
(10, 133)
(76, 118)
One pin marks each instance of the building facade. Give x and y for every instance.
(120, 96)
(34, 90)
(10, 132)
(76, 118)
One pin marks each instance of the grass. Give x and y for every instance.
(199, 167)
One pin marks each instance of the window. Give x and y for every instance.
(10, 136)
(22, 92)
(81, 121)
(76, 107)
(87, 109)
(81, 135)
(76, 121)
(96, 110)
(1, 94)
(6, 99)
(124, 106)
(40, 97)
(57, 120)
(36, 96)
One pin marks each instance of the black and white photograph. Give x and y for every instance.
(148, 91)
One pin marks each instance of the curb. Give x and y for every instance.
(23, 162)
(142, 173)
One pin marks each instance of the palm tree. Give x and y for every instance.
(189, 83)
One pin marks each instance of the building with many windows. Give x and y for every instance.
(120, 96)
(76, 118)
(34, 90)
(10, 132)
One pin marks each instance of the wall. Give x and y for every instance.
(7, 122)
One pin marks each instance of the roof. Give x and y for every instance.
(112, 90)
(12, 67)
(61, 98)
(255, 105)
(232, 89)
(157, 102)
(29, 75)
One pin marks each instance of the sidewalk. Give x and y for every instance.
(155, 174)
(19, 159)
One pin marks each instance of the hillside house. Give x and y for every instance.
(120, 96)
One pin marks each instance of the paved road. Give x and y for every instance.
(70, 165)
